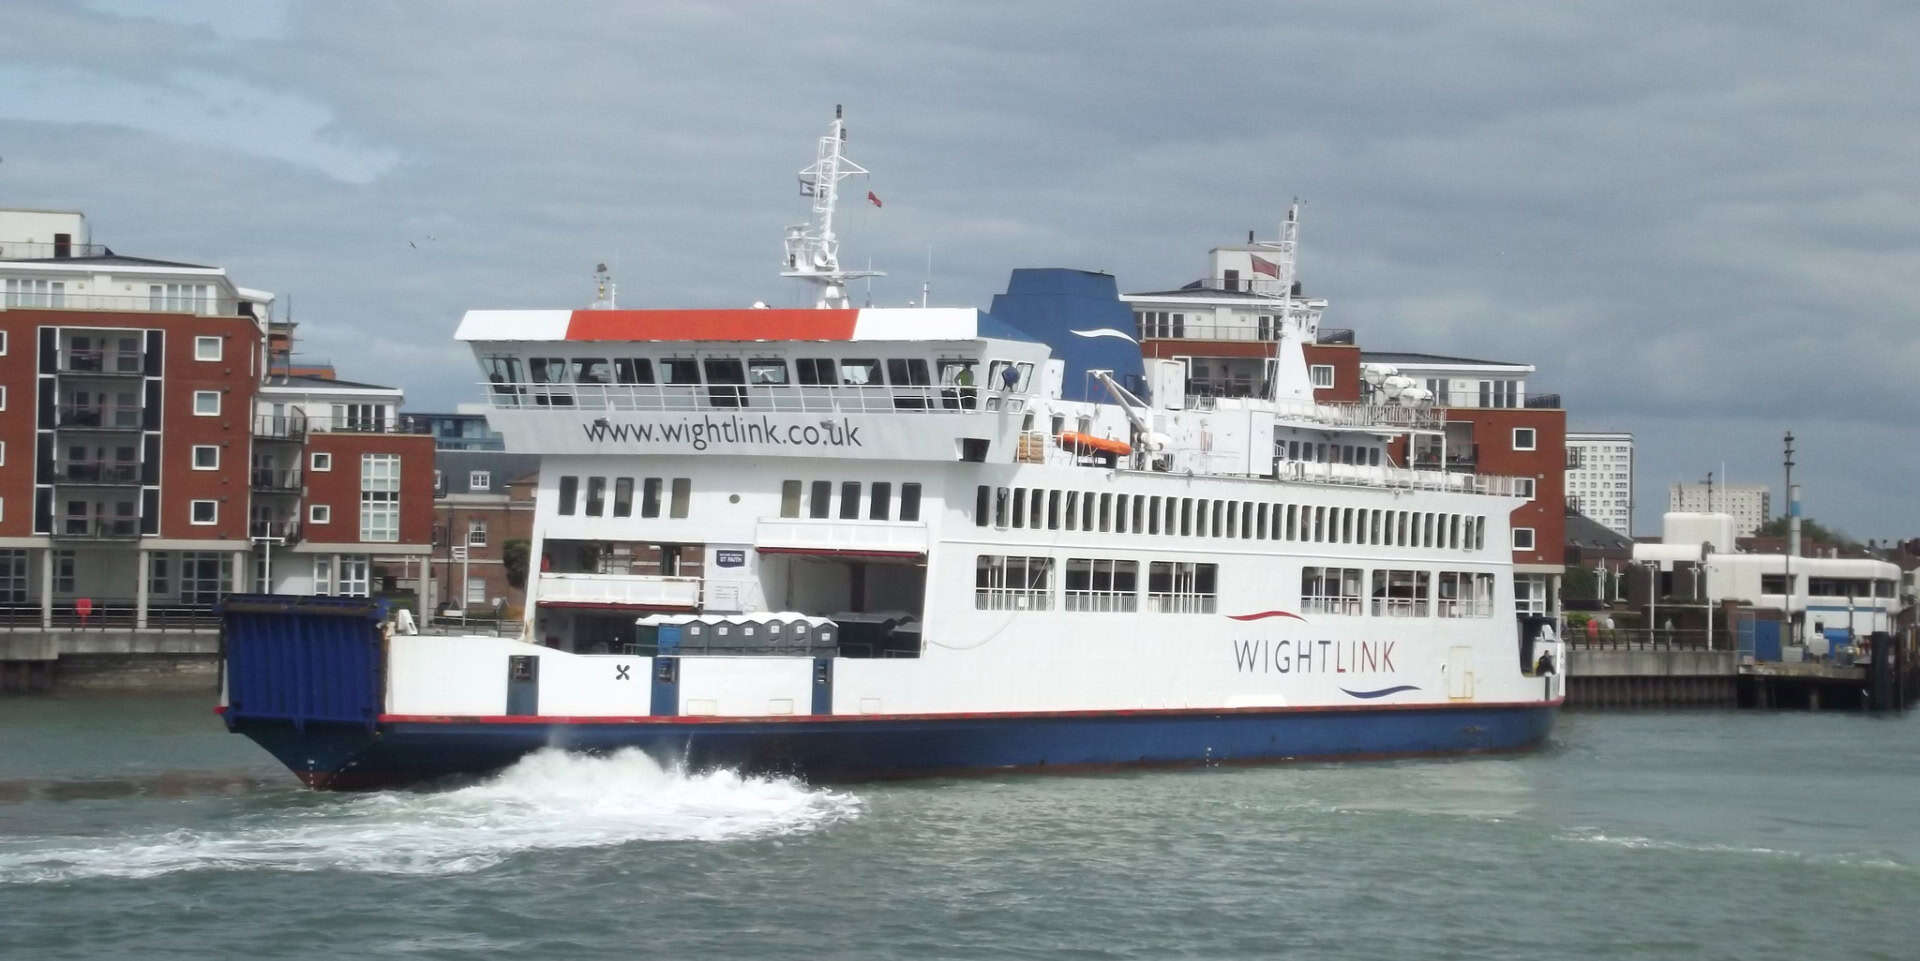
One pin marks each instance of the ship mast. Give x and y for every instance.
(813, 249)
(1287, 249)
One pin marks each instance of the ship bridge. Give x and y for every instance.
(888, 383)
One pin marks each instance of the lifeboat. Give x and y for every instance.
(1087, 443)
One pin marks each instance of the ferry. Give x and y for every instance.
(853, 542)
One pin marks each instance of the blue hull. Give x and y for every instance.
(400, 752)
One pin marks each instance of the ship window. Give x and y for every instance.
(636, 370)
(1373, 457)
(816, 371)
(908, 371)
(1012, 583)
(790, 498)
(1139, 509)
(650, 497)
(766, 371)
(682, 493)
(1106, 513)
(589, 370)
(1401, 593)
(981, 496)
(596, 496)
(547, 370)
(850, 500)
(723, 374)
(1036, 514)
(1087, 511)
(820, 501)
(1000, 507)
(1072, 519)
(681, 371)
(623, 497)
(860, 373)
(1098, 584)
(1120, 514)
(1465, 594)
(569, 492)
(1330, 590)
(1186, 517)
(1182, 587)
(880, 501)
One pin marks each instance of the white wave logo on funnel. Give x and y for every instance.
(550, 800)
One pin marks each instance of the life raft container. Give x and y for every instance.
(1088, 442)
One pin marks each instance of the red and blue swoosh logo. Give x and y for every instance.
(1263, 615)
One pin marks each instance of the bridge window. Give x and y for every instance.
(765, 371)
(817, 371)
(681, 371)
(589, 370)
(632, 370)
(860, 373)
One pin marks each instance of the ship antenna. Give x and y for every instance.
(813, 249)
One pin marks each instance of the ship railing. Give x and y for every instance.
(1397, 478)
(1346, 606)
(1399, 607)
(639, 590)
(1168, 603)
(760, 398)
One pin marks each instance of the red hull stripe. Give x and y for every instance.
(984, 716)
(712, 325)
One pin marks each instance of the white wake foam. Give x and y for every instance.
(549, 800)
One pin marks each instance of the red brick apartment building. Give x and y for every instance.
(149, 464)
(1226, 330)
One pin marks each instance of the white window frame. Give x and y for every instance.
(1528, 492)
(197, 448)
(1313, 375)
(193, 509)
(3, 343)
(3, 453)
(1533, 438)
(319, 513)
(321, 461)
(379, 498)
(476, 525)
(479, 479)
(3, 397)
(1531, 541)
(197, 412)
(200, 343)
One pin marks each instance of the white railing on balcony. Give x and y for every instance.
(830, 534)
(638, 590)
(206, 306)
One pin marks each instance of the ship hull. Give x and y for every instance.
(401, 751)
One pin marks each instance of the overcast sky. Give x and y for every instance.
(1701, 226)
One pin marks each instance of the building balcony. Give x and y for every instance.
(649, 591)
(96, 528)
(204, 306)
(809, 535)
(75, 417)
(286, 531)
(100, 362)
(276, 480)
(290, 426)
(99, 474)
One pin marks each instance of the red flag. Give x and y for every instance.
(1268, 267)
(876, 202)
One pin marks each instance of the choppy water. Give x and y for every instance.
(138, 828)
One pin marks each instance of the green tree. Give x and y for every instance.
(1810, 530)
(514, 554)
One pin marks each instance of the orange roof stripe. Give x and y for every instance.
(797, 324)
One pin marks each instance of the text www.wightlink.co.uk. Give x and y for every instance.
(702, 433)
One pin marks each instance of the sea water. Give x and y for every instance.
(136, 827)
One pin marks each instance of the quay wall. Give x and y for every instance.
(1636, 678)
(128, 660)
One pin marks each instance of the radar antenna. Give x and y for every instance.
(813, 249)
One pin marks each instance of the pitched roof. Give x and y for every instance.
(109, 260)
(1584, 531)
(456, 468)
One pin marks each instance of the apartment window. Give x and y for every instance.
(1499, 393)
(596, 496)
(206, 348)
(910, 502)
(1523, 438)
(880, 502)
(569, 493)
(63, 566)
(479, 480)
(623, 497)
(1523, 487)
(476, 592)
(321, 461)
(204, 576)
(379, 499)
(205, 512)
(319, 514)
(1099, 584)
(1012, 583)
(1401, 593)
(206, 403)
(790, 498)
(3, 343)
(359, 417)
(206, 457)
(1330, 590)
(353, 576)
(1322, 375)
(476, 532)
(1523, 538)
(13, 576)
(1182, 587)
(681, 493)
(3, 397)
